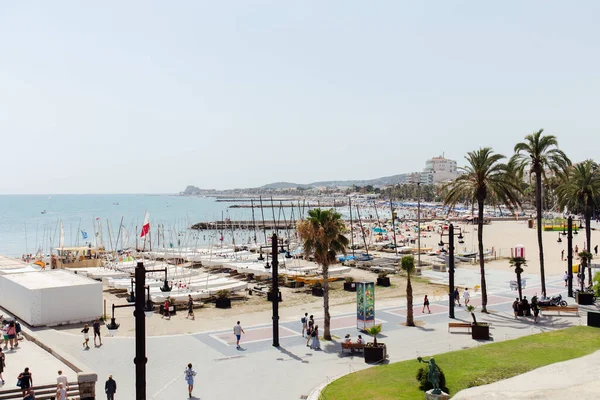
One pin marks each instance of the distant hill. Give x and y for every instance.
(383, 181)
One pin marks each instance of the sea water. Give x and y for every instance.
(31, 222)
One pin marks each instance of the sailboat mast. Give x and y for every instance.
(351, 228)
(362, 231)
(253, 220)
(262, 213)
(394, 226)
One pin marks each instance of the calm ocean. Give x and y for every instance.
(24, 229)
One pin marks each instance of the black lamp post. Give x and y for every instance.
(450, 235)
(143, 308)
(275, 284)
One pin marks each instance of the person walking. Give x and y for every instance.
(2, 364)
(190, 308)
(466, 296)
(566, 277)
(237, 331)
(61, 392)
(5, 336)
(456, 296)
(110, 388)
(311, 325)
(304, 321)
(515, 307)
(62, 379)
(86, 337)
(189, 378)
(96, 326)
(426, 304)
(596, 249)
(316, 344)
(25, 381)
(167, 311)
(11, 331)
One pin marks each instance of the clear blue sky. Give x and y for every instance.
(150, 96)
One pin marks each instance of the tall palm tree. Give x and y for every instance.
(579, 193)
(484, 178)
(322, 233)
(541, 154)
(408, 265)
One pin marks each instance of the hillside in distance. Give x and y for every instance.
(383, 181)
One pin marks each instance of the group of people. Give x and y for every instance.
(525, 308)
(359, 340)
(466, 296)
(11, 330)
(86, 334)
(312, 332)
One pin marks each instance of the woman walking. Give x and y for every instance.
(189, 378)
(61, 392)
(190, 308)
(12, 334)
(426, 304)
(315, 345)
(86, 336)
(26, 381)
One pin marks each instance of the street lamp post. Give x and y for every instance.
(142, 309)
(451, 262)
(419, 223)
(569, 256)
(275, 289)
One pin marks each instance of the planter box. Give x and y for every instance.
(223, 303)
(270, 296)
(593, 319)
(318, 292)
(350, 286)
(375, 354)
(584, 298)
(480, 332)
(383, 281)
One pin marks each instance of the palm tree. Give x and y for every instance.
(408, 265)
(518, 263)
(579, 192)
(540, 153)
(322, 233)
(484, 178)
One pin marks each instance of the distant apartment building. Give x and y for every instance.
(437, 169)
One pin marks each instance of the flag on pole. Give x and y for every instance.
(84, 234)
(146, 226)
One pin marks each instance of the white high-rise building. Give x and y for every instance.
(439, 169)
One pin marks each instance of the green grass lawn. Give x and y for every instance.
(467, 368)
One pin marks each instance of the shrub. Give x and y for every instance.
(222, 294)
(317, 285)
(349, 279)
(424, 384)
(382, 274)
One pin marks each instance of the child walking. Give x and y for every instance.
(86, 336)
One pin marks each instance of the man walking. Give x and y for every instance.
(466, 296)
(237, 331)
(110, 388)
(304, 321)
(96, 326)
(62, 379)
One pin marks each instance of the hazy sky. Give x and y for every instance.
(150, 96)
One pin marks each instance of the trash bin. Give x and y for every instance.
(593, 319)
(530, 223)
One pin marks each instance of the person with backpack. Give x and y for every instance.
(189, 375)
(304, 321)
(25, 381)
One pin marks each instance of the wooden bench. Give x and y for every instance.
(352, 346)
(459, 325)
(560, 309)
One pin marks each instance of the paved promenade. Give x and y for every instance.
(260, 371)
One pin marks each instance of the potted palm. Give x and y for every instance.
(375, 352)
(349, 284)
(317, 289)
(479, 330)
(383, 279)
(223, 300)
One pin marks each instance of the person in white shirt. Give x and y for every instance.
(237, 331)
(347, 338)
(62, 379)
(61, 392)
(466, 296)
(360, 340)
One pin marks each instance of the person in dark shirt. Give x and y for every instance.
(110, 388)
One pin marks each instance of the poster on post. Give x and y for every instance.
(365, 305)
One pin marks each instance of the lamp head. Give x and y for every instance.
(112, 327)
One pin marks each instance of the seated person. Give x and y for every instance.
(360, 340)
(347, 339)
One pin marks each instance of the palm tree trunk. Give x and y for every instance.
(326, 315)
(519, 285)
(588, 238)
(480, 201)
(409, 303)
(538, 207)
